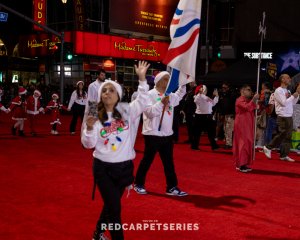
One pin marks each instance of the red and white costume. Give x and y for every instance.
(34, 104)
(33, 109)
(55, 106)
(18, 108)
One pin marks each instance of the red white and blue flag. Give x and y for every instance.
(182, 52)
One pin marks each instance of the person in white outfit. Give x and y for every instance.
(158, 134)
(112, 135)
(204, 117)
(284, 102)
(93, 89)
(77, 105)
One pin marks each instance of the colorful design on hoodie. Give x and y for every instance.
(114, 128)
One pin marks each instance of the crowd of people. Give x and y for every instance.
(110, 125)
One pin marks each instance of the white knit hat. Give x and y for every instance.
(159, 76)
(79, 83)
(115, 84)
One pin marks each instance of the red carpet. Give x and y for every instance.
(46, 184)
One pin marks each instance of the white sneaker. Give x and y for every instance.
(52, 132)
(267, 152)
(287, 158)
(140, 189)
(175, 191)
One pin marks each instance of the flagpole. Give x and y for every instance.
(262, 32)
(206, 39)
(162, 117)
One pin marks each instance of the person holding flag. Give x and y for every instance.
(158, 134)
(158, 116)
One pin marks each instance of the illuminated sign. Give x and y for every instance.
(255, 55)
(47, 43)
(93, 44)
(36, 45)
(145, 51)
(3, 16)
(79, 14)
(142, 17)
(39, 13)
(119, 47)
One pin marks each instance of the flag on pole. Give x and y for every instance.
(182, 52)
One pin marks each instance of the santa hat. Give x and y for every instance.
(55, 95)
(37, 92)
(22, 91)
(201, 88)
(79, 83)
(115, 84)
(159, 76)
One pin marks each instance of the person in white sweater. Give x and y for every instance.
(77, 105)
(158, 134)
(94, 88)
(112, 135)
(204, 118)
(284, 102)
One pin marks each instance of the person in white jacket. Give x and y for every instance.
(204, 118)
(77, 105)
(112, 135)
(158, 134)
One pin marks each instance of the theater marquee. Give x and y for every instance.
(137, 17)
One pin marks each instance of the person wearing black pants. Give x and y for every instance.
(204, 122)
(77, 105)
(112, 133)
(204, 117)
(158, 137)
(164, 146)
(112, 179)
(189, 108)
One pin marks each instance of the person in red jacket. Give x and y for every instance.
(18, 109)
(55, 106)
(33, 109)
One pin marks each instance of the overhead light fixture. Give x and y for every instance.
(64, 1)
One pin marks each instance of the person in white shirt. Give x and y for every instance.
(158, 134)
(204, 117)
(77, 105)
(112, 133)
(94, 88)
(284, 102)
(134, 95)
